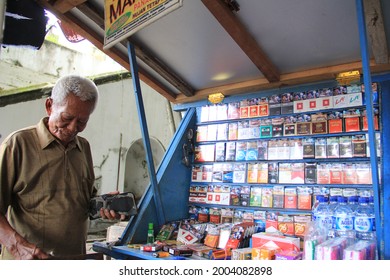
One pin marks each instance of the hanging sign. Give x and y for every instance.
(123, 18)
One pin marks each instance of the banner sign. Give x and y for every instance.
(123, 18)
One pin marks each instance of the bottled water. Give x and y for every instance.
(343, 219)
(315, 205)
(365, 220)
(332, 205)
(353, 202)
(322, 215)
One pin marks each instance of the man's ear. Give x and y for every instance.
(49, 106)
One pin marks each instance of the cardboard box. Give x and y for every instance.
(267, 240)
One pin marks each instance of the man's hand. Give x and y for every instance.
(111, 214)
(23, 250)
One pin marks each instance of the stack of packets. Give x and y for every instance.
(322, 245)
(274, 246)
(224, 238)
(206, 240)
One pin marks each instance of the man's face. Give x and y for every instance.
(68, 119)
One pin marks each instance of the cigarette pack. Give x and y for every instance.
(243, 130)
(266, 197)
(320, 148)
(287, 104)
(345, 146)
(273, 172)
(203, 114)
(332, 147)
(201, 133)
(183, 251)
(297, 173)
(310, 173)
(196, 173)
(319, 124)
(212, 113)
(252, 173)
(251, 150)
(150, 247)
(262, 173)
(272, 149)
(235, 195)
(244, 111)
(255, 198)
(253, 111)
(349, 173)
(286, 224)
(254, 129)
(204, 153)
(285, 173)
(278, 196)
(230, 153)
(263, 110)
(301, 225)
(265, 131)
(240, 151)
(288, 255)
(274, 105)
(304, 195)
(220, 151)
(239, 171)
(262, 149)
(233, 110)
(242, 254)
(212, 132)
(290, 198)
(308, 145)
(245, 195)
(215, 215)
(359, 146)
(263, 253)
(233, 131)
(222, 132)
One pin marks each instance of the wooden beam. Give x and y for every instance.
(288, 79)
(64, 6)
(97, 40)
(376, 30)
(243, 38)
(143, 54)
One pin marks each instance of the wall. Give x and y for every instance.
(115, 117)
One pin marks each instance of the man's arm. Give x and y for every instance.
(20, 248)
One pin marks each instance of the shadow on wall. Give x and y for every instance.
(136, 177)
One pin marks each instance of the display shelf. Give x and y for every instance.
(362, 107)
(254, 208)
(278, 151)
(268, 185)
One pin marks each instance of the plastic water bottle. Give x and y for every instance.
(315, 205)
(353, 202)
(344, 219)
(332, 205)
(322, 215)
(365, 220)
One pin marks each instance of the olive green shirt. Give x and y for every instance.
(46, 189)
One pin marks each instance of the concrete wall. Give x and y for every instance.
(112, 128)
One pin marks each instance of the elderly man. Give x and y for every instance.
(47, 178)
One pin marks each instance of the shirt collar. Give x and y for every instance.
(46, 138)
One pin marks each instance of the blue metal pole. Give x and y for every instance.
(370, 120)
(145, 133)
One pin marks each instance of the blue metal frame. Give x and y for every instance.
(145, 133)
(370, 118)
(385, 167)
(173, 178)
